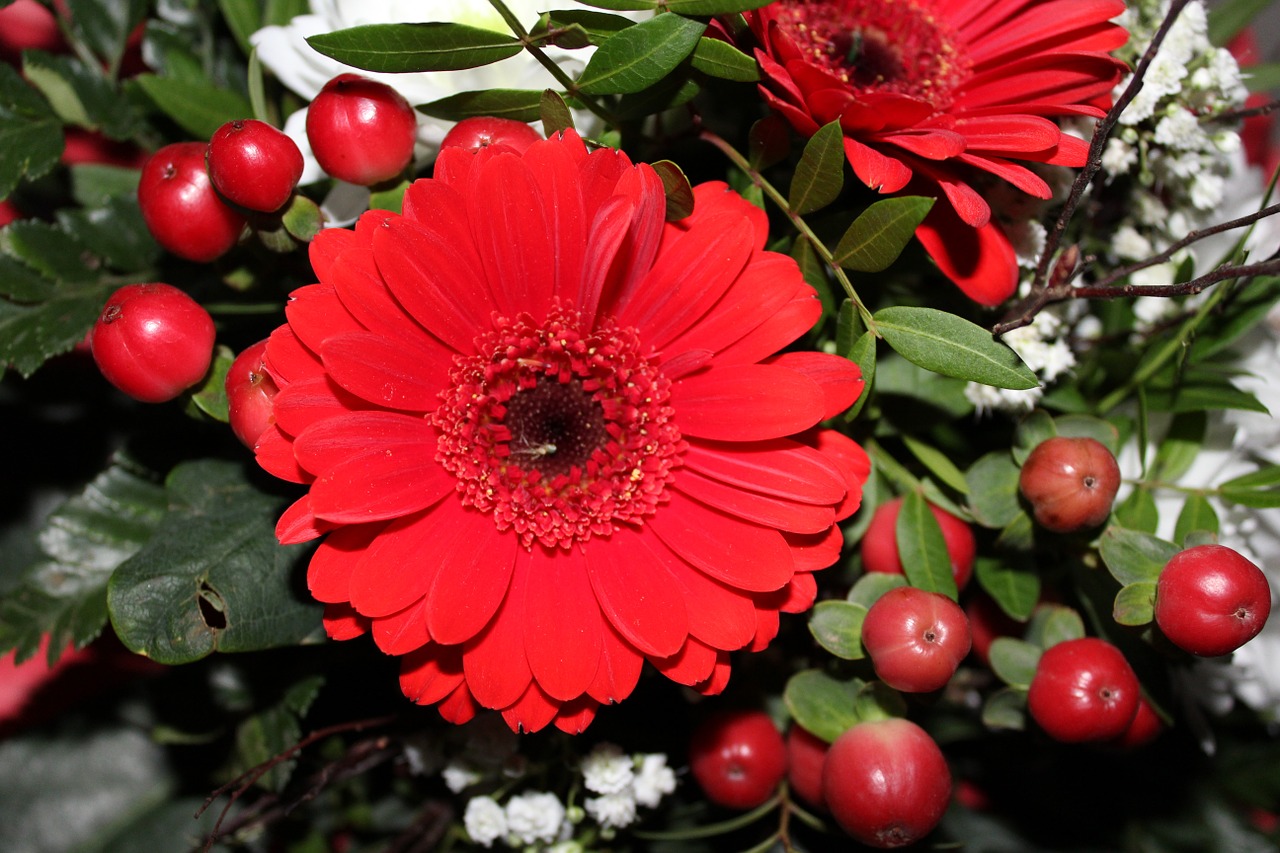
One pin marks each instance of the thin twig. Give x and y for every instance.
(1184, 288)
(1244, 112)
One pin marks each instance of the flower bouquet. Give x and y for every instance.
(666, 425)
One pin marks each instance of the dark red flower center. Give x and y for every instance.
(900, 46)
(560, 432)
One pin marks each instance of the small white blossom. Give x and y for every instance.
(458, 776)
(484, 820)
(1129, 244)
(1119, 156)
(1180, 129)
(606, 770)
(654, 780)
(615, 810)
(1206, 190)
(534, 817)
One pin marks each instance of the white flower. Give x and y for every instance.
(654, 780)
(484, 820)
(458, 776)
(1180, 129)
(605, 770)
(616, 810)
(534, 817)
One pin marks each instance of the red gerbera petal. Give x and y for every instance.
(562, 625)
(782, 402)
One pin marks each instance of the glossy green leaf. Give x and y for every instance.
(212, 578)
(922, 547)
(554, 113)
(1054, 623)
(30, 133)
(243, 18)
(1138, 512)
(1005, 709)
(938, 463)
(31, 334)
(821, 704)
(640, 56)
(517, 104)
(676, 187)
(1135, 604)
(880, 233)
(993, 489)
(1253, 498)
(868, 588)
(863, 354)
(210, 396)
(819, 175)
(672, 92)
(717, 58)
(94, 184)
(49, 250)
(81, 96)
(1014, 661)
(713, 7)
(429, 46)
(595, 27)
(21, 283)
(1197, 515)
(837, 626)
(952, 346)
(114, 233)
(200, 108)
(1015, 588)
(1132, 556)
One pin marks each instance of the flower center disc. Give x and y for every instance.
(561, 433)
(898, 46)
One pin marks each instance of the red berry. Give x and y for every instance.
(915, 638)
(250, 392)
(481, 131)
(880, 542)
(1083, 690)
(886, 782)
(152, 341)
(27, 25)
(1146, 727)
(181, 208)
(87, 146)
(806, 753)
(1210, 600)
(987, 621)
(1071, 483)
(9, 212)
(738, 758)
(360, 130)
(254, 165)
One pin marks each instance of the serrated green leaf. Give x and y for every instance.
(938, 463)
(32, 334)
(1132, 556)
(1005, 709)
(640, 56)
(676, 187)
(880, 233)
(822, 705)
(198, 107)
(96, 184)
(49, 250)
(1015, 588)
(429, 46)
(30, 133)
(1197, 515)
(717, 58)
(837, 626)
(868, 588)
(81, 96)
(1135, 604)
(952, 346)
(83, 541)
(554, 113)
(114, 232)
(1014, 661)
(517, 104)
(21, 283)
(819, 176)
(993, 490)
(105, 25)
(923, 549)
(212, 578)
(1138, 512)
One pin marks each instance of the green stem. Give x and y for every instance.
(798, 221)
(713, 829)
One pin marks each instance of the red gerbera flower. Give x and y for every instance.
(936, 97)
(548, 438)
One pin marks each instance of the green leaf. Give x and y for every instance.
(878, 701)
(863, 354)
(1197, 515)
(83, 541)
(868, 588)
(518, 104)
(1201, 391)
(265, 735)
(1263, 77)
(993, 489)
(81, 96)
(429, 46)
(1018, 534)
(673, 91)
(1180, 447)
(923, 549)
(1016, 589)
(199, 107)
(640, 56)
(95, 184)
(1054, 623)
(1135, 604)
(952, 346)
(389, 197)
(1087, 426)
(769, 142)
(837, 626)
(1133, 556)
(623, 5)
(243, 18)
(105, 25)
(819, 175)
(30, 133)
(713, 7)
(1014, 661)
(597, 27)
(49, 250)
(678, 191)
(880, 233)
(717, 58)
(113, 232)
(302, 218)
(32, 334)
(1138, 512)
(895, 376)
(1227, 19)
(1253, 498)
(821, 704)
(554, 113)
(210, 396)
(1262, 478)
(938, 463)
(1005, 709)
(1033, 429)
(21, 283)
(212, 578)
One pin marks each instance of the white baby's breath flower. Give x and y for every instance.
(606, 770)
(654, 780)
(612, 810)
(484, 820)
(459, 776)
(534, 817)
(1180, 129)
(1129, 244)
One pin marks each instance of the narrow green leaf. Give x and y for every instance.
(1005, 709)
(923, 549)
(257, 86)
(819, 175)
(1135, 604)
(938, 463)
(1262, 478)
(555, 114)
(1132, 556)
(1180, 446)
(243, 18)
(200, 108)
(1014, 661)
(717, 58)
(1197, 515)
(1202, 392)
(820, 704)
(623, 5)
(993, 490)
(678, 191)
(863, 354)
(518, 104)
(880, 233)
(640, 56)
(429, 46)
(1227, 19)
(952, 346)
(837, 626)
(713, 7)
(1015, 588)
(672, 91)
(597, 27)
(1253, 498)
